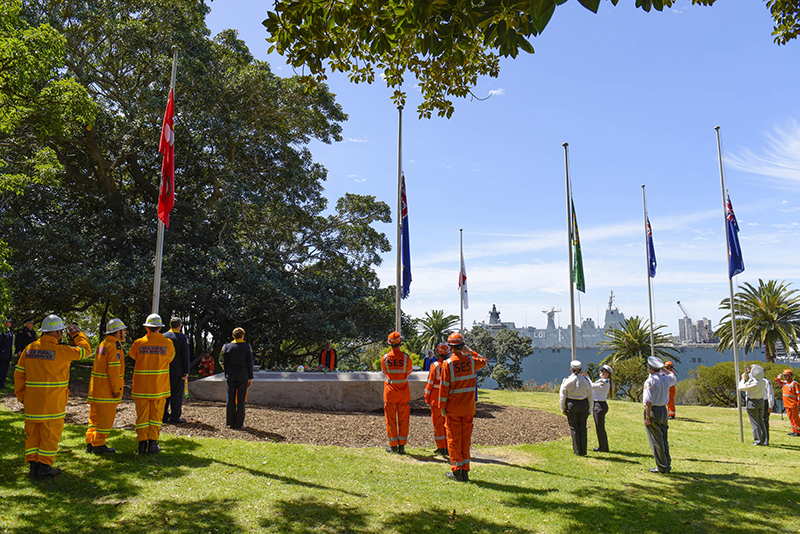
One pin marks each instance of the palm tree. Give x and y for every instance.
(632, 341)
(435, 327)
(764, 315)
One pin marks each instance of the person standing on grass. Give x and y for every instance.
(6, 351)
(178, 373)
(655, 397)
(25, 336)
(457, 402)
(791, 399)
(573, 397)
(755, 388)
(237, 362)
(152, 354)
(669, 368)
(105, 387)
(40, 384)
(396, 366)
(600, 391)
(432, 399)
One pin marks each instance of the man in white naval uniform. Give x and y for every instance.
(574, 401)
(655, 398)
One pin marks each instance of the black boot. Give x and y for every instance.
(143, 447)
(47, 471)
(88, 447)
(464, 475)
(454, 475)
(152, 447)
(401, 449)
(34, 468)
(392, 449)
(103, 449)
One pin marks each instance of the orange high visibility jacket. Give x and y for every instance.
(42, 376)
(152, 354)
(107, 372)
(459, 378)
(791, 393)
(434, 380)
(328, 358)
(396, 366)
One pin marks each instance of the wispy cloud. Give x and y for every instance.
(357, 140)
(497, 92)
(359, 180)
(779, 159)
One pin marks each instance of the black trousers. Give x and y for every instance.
(237, 390)
(174, 405)
(4, 366)
(577, 414)
(600, 410)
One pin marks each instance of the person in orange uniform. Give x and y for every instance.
(791, 399)
(669, 369)
(457, 402)
(432, 398)
(206, 365)
(40, 384)
(328, 357)
(152, 354)
(105, 388)
(396, 366)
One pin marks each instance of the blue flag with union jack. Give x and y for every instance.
(404, 247)
(651, 251)
(735, 260)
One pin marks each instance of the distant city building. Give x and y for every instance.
(705, 331)
(687, 330)
(702, 332)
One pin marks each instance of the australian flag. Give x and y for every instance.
(735, 260)
(651, 251)
(405, 247)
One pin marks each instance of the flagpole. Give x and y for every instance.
(399, 289)
(461, 276)
(569, 249)
(730, 287)
(160, 233)
(649, 288)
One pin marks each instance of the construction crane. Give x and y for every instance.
(689, 329)
(685, 312)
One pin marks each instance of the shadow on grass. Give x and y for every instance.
(288, 480)
(437, 520)
(310, 516)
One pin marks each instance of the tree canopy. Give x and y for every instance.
(251, 242)
(445, 44)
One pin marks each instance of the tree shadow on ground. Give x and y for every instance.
(437, 520)
(289, 480)
(311, 516)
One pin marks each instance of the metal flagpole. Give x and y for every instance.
(569, 249)
(649, 289)
(730, 287)
(398, 291)
(461, 275)
(160, 234)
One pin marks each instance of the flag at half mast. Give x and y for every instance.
(405, 247)
(577, 258)
(651, 251)
(462, 283)
(735, 260)
(166, 194)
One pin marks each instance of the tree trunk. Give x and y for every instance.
(770, 353)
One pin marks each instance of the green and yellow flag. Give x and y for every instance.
(577, 258)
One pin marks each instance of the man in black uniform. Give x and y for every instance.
(237, 360)
(25, 336)
(6, 351)
(178, 372)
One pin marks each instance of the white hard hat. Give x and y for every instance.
(655, 362)
(575, 365)
(115, 325)
(52, 323)
(153, 320)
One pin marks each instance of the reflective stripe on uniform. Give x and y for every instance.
(442, 399)
(19, 368)
(151, 372)
(462, 390)
(103, 400)
(150, 395)
(99, 375)
(395, 381)
(46, 384)
(44, 416)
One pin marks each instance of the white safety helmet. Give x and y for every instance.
(52, 323)
(154, 320)
(115, 325)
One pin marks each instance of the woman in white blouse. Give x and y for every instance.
(600, 390)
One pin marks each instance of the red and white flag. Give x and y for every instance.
(166, 196)
(462, 283)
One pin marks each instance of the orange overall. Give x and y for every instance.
(671, 403)
(791, 401)
(432, 398)
(396, 366)
(152, 354)
(40, 383)
(457, 399)
(105, 390)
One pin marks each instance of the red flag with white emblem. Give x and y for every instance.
(166, 196)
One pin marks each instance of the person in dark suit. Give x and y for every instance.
(25, 336)
(237, 361)
(6, 351)
(178, 373)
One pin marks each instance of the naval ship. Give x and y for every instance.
(552, 354)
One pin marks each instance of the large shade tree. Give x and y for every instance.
(445, 44)
(765, 315)
(251, 241)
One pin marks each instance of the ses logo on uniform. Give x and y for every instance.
(149, 349)
(41, 355)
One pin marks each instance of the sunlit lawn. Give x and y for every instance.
(208, 485)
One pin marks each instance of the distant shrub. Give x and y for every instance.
(547, 387)
(716, 385)
(504, 378)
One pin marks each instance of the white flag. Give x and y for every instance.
(462, 284)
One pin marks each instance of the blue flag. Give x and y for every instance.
(405, 247)
(735, 260)
(651, 251)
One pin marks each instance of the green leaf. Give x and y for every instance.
(591, 5)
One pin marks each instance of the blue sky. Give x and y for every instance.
(637, 96)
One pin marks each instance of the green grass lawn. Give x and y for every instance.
(208, 485)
